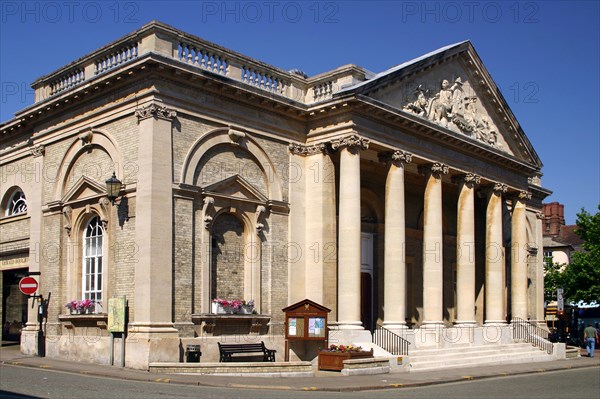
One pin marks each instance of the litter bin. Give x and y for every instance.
(192, 353)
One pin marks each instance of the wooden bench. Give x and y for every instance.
(226, 350)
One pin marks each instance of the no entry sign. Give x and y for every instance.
(28, 285)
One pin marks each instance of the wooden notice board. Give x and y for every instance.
(305, 321)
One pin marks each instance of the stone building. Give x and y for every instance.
(409, 198)
(560, 240)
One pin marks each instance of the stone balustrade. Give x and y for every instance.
(163, 40)
(116, 58)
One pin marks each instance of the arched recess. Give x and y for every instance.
(249, 254)
(84, 142)
(225, 136)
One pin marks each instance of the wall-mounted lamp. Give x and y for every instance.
(113, 187)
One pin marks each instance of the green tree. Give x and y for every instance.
(581, 278)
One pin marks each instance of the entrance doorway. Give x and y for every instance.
(366, 281)
(14, 305)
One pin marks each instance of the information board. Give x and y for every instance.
(116, 314)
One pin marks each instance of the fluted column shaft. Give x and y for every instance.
(519, 257)
(349, 232)
(433, 261)
(394, 298)
(465, 251)
(495, 308)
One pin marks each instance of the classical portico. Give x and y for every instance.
(406, 200)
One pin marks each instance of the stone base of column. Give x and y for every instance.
(432, 324)
(30, 337)
(395, 325)
(346, 325)
(495, 323)
(465, 323)
(151, 342)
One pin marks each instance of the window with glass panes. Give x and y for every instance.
(92, 260)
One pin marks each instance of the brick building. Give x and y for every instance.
(409, 198)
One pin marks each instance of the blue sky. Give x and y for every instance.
(544, 56)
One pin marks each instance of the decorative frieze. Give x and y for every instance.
(208, 210)
(353, 142)
(260, 216)
(154, 111)
(307, 150)
(235, 135)
(86, 137)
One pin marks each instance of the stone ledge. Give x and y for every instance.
(368, 366)
(246, 369)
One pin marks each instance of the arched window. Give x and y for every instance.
(91, 275)
(16, 204)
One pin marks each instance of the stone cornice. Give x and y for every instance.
(306, 150)
(353, 142)
(154, 110)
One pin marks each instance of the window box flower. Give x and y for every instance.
(84, 306)
(236, 306)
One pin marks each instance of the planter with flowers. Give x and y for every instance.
(85, 306)
(236, 306)
(333, 358)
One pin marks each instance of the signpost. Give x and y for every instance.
(28, 285)
(117, 312)
(560, 302)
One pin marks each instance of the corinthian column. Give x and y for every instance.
(518, 289)
(495, 307)
(465, 250)
(394, 299)
(433, 261)
(349, 231)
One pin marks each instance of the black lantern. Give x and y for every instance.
(113, 187)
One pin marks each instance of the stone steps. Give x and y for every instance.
(435, 359)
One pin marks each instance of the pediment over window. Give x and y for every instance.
(235, 187)
(84, 188)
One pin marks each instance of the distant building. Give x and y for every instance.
(560, 240)
(410, 199)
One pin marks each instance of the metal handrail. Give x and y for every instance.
(538, 337)
(390, 341)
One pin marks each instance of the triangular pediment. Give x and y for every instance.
(451, 89)
(235, 187)
(83, 188)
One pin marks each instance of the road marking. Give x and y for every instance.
(309, 388)
(44, 366)
(540, 370)
(467, 377)
(397, 385)
(163, 380)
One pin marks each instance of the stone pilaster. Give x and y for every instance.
(495, 306)
(394, 298)
(349, 231)
(30, 334)
(519, 255)
(465, 250)
(154, 337)
(433, 260)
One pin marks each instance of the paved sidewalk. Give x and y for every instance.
(323, 381)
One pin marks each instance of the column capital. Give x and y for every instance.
(154, 110)
(540, 215)
(397, 157)
(437, 169)
(469, 179)
(38, 150)
(520, 195)
(306, 150)
(353, 142)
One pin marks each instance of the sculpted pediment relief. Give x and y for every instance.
(236, 187)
